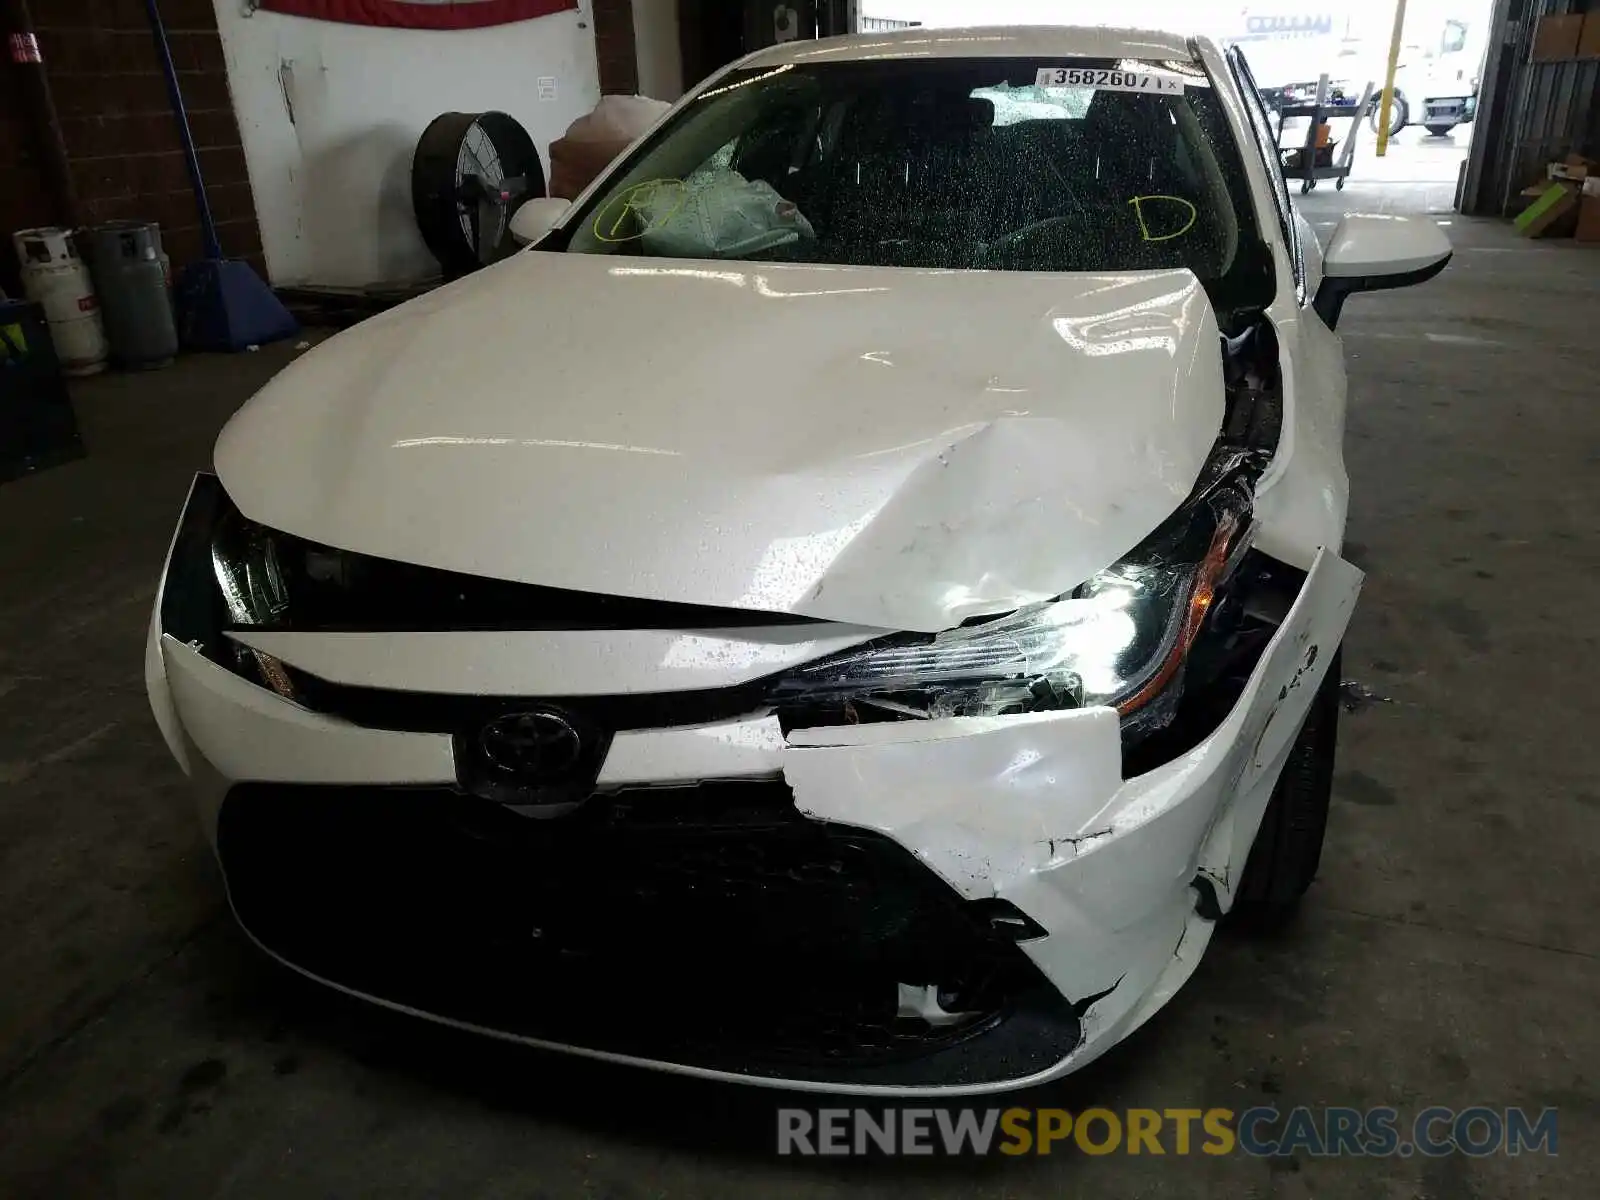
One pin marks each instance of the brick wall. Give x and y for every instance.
(117, 122)
(614, 47)
(24, 202)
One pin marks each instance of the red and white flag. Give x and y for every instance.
(419, 14)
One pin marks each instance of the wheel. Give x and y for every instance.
(1439, 130)
(1338, 184)
(1283, 859)
(1399, 114)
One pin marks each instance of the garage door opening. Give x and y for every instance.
(1341, 45)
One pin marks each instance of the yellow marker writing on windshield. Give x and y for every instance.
(1139, 202)
(611, 223)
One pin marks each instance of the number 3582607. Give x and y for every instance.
(1108, 80)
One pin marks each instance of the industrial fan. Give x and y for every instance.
(468, 175)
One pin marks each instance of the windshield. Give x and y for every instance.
(1002, 164)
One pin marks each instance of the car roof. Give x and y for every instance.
(998, 41)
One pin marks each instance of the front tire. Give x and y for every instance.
(1288, 847)
(1439, 130)
(1399, 115)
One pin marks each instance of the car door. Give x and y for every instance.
(1299, 240)
(1302, 499)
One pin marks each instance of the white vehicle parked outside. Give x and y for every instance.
(850, 607)
(1436, 84)
(1451, 97)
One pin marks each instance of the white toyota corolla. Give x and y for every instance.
(850, 607)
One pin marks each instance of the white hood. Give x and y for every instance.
(885, 447)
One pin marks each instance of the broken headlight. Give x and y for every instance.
(251, 580)
(1118, 640)
(249, 573)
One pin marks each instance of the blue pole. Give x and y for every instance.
(208, 227)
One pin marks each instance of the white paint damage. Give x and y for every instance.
(1034, 809)
(927, 446)
(979, 799)
(981, 439)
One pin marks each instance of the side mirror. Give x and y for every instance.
(536, 218)
(1370, 253)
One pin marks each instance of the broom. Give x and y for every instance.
(222, 304)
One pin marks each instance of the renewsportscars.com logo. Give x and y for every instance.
(1264, 1132)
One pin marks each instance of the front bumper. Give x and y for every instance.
(712, 919)
(851, 860)
(1448, 110)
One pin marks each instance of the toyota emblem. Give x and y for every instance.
(536, 747)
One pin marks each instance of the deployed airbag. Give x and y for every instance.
(719, 214)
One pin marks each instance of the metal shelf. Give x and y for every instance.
(1305, 168)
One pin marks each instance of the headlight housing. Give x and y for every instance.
(254, 590)
(1118, 640)
(249, 573)
(1122, 639)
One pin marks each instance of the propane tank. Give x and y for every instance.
(57, 279)
(126, 262)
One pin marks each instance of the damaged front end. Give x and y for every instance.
(712, 926)
(783, 849)
(1125, 850)
(1166, 636)
(1101, 762)
(1120, 640)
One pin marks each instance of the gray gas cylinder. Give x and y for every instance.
(131, 278)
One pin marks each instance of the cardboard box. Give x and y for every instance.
(1589, 38)
(1552, 214)
(1518, 204)
(1557, 37)
(1574, 166)
(1588, 227)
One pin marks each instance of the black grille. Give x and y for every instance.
(710, 925)
(437, 712)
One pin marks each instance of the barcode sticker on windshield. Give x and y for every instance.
(1109, 80)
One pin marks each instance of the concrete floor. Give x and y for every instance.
(1418, 171)
(1447, 955)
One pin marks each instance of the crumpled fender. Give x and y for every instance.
(1034, 809)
